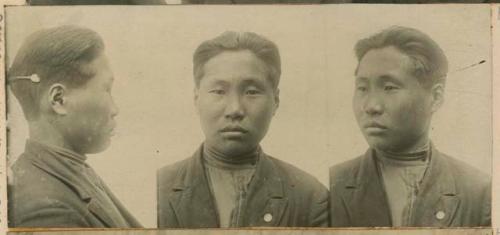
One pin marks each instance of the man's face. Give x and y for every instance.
(391, 107)
(235, 101)
(89, 123)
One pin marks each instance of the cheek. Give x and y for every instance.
(96, 112)
(411, 113)
(209, 111)
(262, 111)
(356, 106)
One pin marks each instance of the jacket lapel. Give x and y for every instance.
(131, 220)
(266, 199)
(192, 199)
(437, 201)
(364, 195)
(71, 175)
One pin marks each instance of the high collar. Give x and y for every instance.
(219, 160)
(420, 154)
(33, 146)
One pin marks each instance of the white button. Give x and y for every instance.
(440, 215)
(268, 217)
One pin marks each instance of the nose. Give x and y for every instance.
(114, 109)
(234, 108)
(373, 105)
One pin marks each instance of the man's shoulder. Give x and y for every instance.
(32, 190)
(29, 179)
(466, 174)
(296, 176)
(167, 174)
(346, 169)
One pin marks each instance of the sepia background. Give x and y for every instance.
(150, 49)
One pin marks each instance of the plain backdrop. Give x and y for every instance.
(151, 47)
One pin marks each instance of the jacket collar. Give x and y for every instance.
(365, 195)
(68, 166)
(194, 204)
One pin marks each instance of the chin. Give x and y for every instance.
(379, 144)
(97, 148)
(236, 148)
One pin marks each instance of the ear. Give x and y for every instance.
(195, 97)
(437, 95)
(276, 100)
(57, 98)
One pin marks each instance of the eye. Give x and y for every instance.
(217, 91)
(252, 92)
(390, 88)
(361, 88)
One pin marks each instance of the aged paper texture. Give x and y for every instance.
(150, 51)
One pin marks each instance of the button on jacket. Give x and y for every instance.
(278, 195)
(55, 190)
(452, 194)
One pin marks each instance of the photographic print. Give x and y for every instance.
(249, 116)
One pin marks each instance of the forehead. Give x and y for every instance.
(234, 66)
(101, 69)
(383, 62)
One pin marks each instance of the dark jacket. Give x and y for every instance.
(452, 194)
(292, 197)
(49, 191)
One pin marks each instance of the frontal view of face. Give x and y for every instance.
(235, 101)
(391, 107)
(89, 122)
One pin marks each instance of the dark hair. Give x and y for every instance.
(263, 48)
(428, 60)
(55, 55)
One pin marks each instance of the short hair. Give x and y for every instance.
(428, 61)
(263, 49)
(56, 55)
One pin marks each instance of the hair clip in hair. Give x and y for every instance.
(33, 78)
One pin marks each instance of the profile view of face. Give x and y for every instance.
(235, 101)
(392, 108)
(90, 110)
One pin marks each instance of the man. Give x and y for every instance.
(403, 180)
(62, 79)
(230, 181)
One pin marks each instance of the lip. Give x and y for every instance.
(374, 128)
(233, 129)
(233, 132)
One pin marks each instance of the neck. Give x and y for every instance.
(44, 132)
(240, 159)
(418, 152)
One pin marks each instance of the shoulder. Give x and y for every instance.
(29, 182)
(466, 175)
(167, 174)
(346, 169)
(297, 177)
(34, 193)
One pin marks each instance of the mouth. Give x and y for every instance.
(233, 131)
(374, 128)
(112, 132)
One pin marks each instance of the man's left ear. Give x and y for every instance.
(195, 98)
(437, 93)
(276, 100)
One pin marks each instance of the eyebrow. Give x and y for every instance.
(382, 79)
(389, 78)
(252, 81)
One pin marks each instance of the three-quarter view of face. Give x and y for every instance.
(392, 108)
(235, 101)
(88, 122)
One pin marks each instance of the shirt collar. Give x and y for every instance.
(36, 146)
